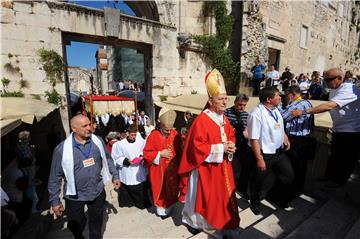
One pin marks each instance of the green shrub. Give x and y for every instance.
(5, 82)
(53, 97)
(163, 97)
(214, 47)
(53, 65)
(12, 94)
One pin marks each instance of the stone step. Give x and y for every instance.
(331, 221)
(281, 222)
(131, 223)
(137, 223)
(247, 217)
(354, 232)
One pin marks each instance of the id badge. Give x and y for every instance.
(277, 126)
(88, 162)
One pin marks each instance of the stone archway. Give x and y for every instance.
(145, 49)
(147, 9)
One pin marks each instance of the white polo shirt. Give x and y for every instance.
(266, 126)
(346, 115)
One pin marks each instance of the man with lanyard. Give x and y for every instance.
(298, 130)
(238, 119)
(83, 161)
(343, 105)
(205, 168)
(267, 140)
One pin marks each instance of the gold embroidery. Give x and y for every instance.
(228, 187)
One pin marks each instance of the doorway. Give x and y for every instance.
(113, 59)
(274, 58)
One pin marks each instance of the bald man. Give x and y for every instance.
(85, 164)
(344, 108)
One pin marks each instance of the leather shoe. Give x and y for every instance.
(255, 208)
(192, 230)
(164, 217)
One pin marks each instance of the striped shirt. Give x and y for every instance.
(238, 120)
(298, 126)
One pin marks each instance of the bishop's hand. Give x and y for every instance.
(229, 147)
(166, 153)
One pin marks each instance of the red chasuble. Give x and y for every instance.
(215, 199)
(164, 177)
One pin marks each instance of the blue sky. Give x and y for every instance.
(83, 54)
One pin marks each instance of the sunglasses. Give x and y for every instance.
(330, 78)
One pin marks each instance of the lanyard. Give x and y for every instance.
(296, 101)
(85, 153)
(273, 115)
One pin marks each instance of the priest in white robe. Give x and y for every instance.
(127, 154)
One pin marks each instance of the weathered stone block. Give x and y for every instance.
(39, 8)
(7, 15)
(23, 6)
(11, 31)
(112, 22)
(22, 18)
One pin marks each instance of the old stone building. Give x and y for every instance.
(80, 78)
(306, 35)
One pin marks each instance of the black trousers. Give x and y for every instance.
(241, 169)
(344, 154)
(302, 150)
(278, 168)
(256, 86)
(77, 220)
(134, 195)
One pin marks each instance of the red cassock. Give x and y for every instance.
(215, 198)
(164, 177)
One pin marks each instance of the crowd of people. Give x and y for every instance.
(19, 198)
(261, 154)
(312, 84)
(130, 85)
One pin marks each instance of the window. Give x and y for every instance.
(304, 33)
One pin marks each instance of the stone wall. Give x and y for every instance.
(277, 24)
(29, 26)
(26, 27)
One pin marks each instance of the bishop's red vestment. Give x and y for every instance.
(215, 197)
(164, 177)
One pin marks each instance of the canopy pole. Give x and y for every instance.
(136, 112)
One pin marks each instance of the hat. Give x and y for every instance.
(167, 117)
(214, 83)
